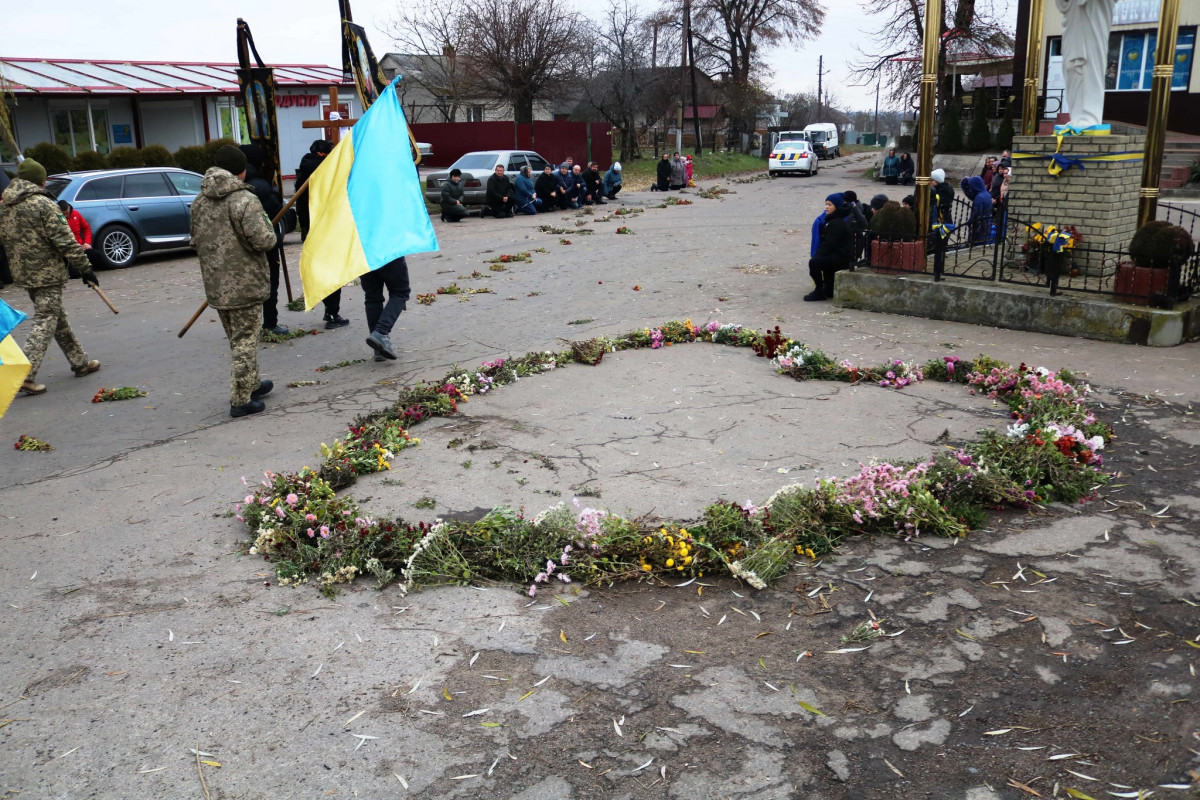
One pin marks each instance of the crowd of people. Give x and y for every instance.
(571, 185)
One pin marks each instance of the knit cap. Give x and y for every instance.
(31, 171)
(231, 159)
(837, 198)
(938, 175)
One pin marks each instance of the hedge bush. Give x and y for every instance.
(155, 155)
(126, 158)
(89, 159)
(193, 157)
(54, 158)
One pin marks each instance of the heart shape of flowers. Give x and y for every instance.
(1051, 452)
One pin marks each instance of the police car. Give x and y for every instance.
(791, 157)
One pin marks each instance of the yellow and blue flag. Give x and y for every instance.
(365, 202)
(14, 366)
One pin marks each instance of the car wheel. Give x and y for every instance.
(118, 246)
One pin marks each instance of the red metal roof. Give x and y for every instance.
(704, 112)
(77, 76)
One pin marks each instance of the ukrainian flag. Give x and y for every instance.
(14, 366)
(365, 203)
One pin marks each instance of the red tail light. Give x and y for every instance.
(473, 183)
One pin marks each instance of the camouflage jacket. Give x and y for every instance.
(36, 237)
(231, 234)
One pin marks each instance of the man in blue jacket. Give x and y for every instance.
(567, 187)
(526, 202)
(612, 181)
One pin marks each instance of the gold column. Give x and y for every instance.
(1033, 58)
(929, 76)
(1160, 103)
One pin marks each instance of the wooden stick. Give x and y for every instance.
(104, 297)
(195, 317)
(287, 282)
(290, 203)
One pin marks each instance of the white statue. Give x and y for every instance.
(1086, 24)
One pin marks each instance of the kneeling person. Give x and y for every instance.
(232, 235)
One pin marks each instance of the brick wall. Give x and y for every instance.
(1101, 200)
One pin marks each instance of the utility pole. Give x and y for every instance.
(683, 60)
(876, 128)
(820, 76)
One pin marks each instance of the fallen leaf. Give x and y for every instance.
(813, 710)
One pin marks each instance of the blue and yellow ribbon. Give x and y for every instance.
(943, 229)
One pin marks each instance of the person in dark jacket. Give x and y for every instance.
(567, 189)
(453, 209)
(546, 189)
(981, 209)
(941, 200)
(857, 220)
(272, 203)
(593, 185)
(663, 174)
(907, 168)
(500, 194)
(308, 165)
(835, 250)
(526, 201)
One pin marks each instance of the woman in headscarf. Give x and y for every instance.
(907, 168)
(891, 168)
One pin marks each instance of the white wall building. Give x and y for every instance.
(99, 105)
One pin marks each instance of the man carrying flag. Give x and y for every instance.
(367, 213)
(36, 237)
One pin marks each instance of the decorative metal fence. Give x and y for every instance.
(1008, 250)
(1189, 276)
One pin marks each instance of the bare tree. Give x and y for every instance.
(731, 36)
(431, 33)
(968, 27)
(522, 50)
(622, 88)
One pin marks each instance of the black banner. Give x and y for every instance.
(364, 69)
(256, 96)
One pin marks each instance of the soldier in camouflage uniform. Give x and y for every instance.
(231, 234)
(36, 237)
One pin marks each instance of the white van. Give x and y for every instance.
(824, 138)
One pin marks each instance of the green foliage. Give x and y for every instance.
(1006, 131)
(51, 156)
(193, 157)
(155, 155)
(88, 160)
(980, 137)
(951, 138)
(1159, 244)
(894, 222)
(213, 145)
(126, 158)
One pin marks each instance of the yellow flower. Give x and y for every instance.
(687, 560)
(670, 562)
(646, 567)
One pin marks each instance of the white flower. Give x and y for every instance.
(1018, 430)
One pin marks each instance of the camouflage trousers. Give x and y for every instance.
(50, 322)
(242, 326)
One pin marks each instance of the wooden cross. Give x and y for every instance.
(332, 127)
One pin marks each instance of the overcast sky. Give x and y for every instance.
(305, 31)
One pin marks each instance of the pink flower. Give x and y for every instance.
(310, 517)
(540, 578)
(533, 591)
(324, 532)
(311, 533)
(249, 499)
(292, 499)
(562, 576)
(279, 512)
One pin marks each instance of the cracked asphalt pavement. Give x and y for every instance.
(1053, 649)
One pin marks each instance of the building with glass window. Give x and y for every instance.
(1131, 46)
(99, 105)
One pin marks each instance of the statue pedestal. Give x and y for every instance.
(1100, 200)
